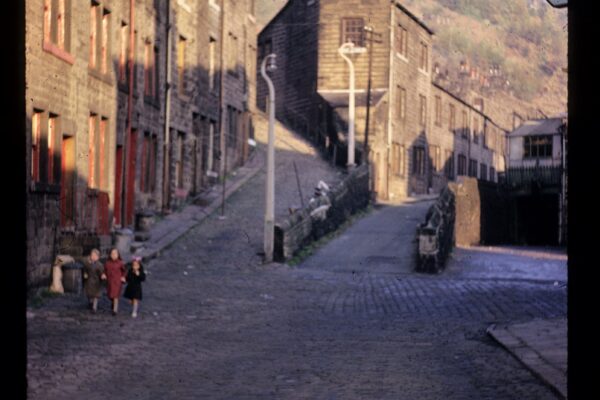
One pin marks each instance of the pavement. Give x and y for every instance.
(541, 345)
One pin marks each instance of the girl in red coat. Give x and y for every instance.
(114, 268)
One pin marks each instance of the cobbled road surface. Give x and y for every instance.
(351, 322)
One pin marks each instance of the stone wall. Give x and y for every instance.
(323, 215)
(483, 212)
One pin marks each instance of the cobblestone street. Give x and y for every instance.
(351, 322)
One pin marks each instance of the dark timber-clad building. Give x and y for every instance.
(420, 134)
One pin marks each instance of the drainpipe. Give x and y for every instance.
(390, 98)
(126, 143)
(166, 159)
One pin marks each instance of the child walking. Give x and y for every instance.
(93, 274)
(135, 277)
(114, 268)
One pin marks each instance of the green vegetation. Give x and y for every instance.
(529, 44)
(310, 249)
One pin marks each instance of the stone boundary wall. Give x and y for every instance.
(322, 215)
(483, 212)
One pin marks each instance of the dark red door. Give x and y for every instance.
(130, 188)
(118, 185)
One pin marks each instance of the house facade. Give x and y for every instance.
(420, 134)
(127, 111)
(536, 177)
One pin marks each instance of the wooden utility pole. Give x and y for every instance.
(369, 33)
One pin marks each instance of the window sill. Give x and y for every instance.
(421, 70)
(106, 78)
(402, 57)
(42, 187)
(252, 18)
(64, 55)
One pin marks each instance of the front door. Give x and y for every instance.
(118, 185)
(130, 187)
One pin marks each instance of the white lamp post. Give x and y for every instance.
(270, 186)
(347, 48)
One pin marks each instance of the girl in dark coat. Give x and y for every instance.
(135, 277)
(114, 268)
(93, 274)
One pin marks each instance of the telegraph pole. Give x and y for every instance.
(369, 33)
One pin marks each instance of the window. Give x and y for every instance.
(212, 45)
(492, 174)
(483, 171)
(233, 126)
(147, 163)
(99, 38)
(465, 125)
(181, 65)
(123, 39)
(401, 103)
(57, 24)
(423, 110)
(435, 157)
(265, 49)
(402, 154)
(418, 160)
(102, 154)
(251, 7)
(51, 140)
(485, 133)
(473, 168)
(98, 152)
(179, 162)
(150, 71)
(438, 110)
(105, 50)
(423, 62)
(232, 54)
(398, 164)
(537, 146)
(36, 136)
(353, 31)
(449, 167)
(92, 169)
(476, 130)
(452, 119)
(93, 34)
(401, 41)
(462, 165)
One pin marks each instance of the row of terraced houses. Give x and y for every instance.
(138, 105)
(132, 106)
(420, 135)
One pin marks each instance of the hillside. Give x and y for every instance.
(522, 41)
(266, 10)
(515, 49)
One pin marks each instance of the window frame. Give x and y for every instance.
(352, 23)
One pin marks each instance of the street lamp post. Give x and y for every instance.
(346, 48)
(270, 186)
